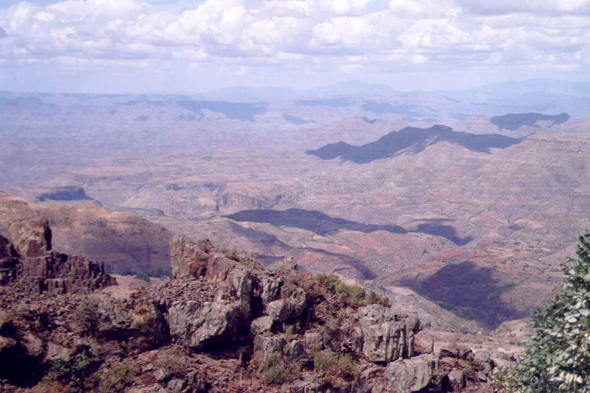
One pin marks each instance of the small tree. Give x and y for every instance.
(557, 358)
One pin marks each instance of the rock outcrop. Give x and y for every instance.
(224, 323)
(387, 336)
(29, 254)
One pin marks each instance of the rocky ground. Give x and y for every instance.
(224, 323)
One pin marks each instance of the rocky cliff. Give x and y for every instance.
(28, 254)
(224, 323)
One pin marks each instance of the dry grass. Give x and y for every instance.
(118, 377)
(141, 315)
(171, 363)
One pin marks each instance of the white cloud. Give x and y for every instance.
(349, 68)
(287, 34)
(528, 6)
(423, 8)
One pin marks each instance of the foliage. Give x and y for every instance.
(322, 361)
(289, 332)
(557, 358)
(76, 371)
(278, 374)
(335, 369)
(349, 295)
(86, 316)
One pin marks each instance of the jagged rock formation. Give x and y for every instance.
(225, 323)
(29, 254)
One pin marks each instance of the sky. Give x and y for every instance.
(185, 46)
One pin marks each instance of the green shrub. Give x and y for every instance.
(76, 372)
(557, 358)
(288, 332)
(277, 374)
(323, 361)
(346, 367)
(349, 295)
(86, 316)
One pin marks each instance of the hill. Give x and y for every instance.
(126, 242)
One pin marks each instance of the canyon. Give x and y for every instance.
(456, 223)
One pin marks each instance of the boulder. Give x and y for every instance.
(198, 259)
(308, 383)
(141, 325)
(34, 346)
(269, 351)
(296, 351)
(271, 288)
(31, 239)
(502, 360)
(314, 341)
(261, 325)
(482, 360)
(57, 352)
(6, 344)
(279, 310)
(387, 336)
(289, 307)
(423, 343)
(189, 259)
(410, 375)
(201, 324)
(456, 380)
(175, 386)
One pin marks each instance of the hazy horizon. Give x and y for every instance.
(179, 46)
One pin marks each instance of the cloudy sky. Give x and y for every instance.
(186, 46)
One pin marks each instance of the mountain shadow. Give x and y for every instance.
(382, 108)
(271, 241)
(468, 290)
(331, 102)
(436, 227)
(322, 224)
(514, 121)
(295, 120)
(412, 140)
(67, 193)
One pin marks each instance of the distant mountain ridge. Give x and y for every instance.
(412, 140)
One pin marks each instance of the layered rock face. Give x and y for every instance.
(28, 253)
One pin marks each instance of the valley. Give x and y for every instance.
(458, 224)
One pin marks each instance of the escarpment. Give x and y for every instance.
(223, 323)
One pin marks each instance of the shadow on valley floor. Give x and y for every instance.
(270, 243)
(467, 290)
(323, 225)
(412, 140)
